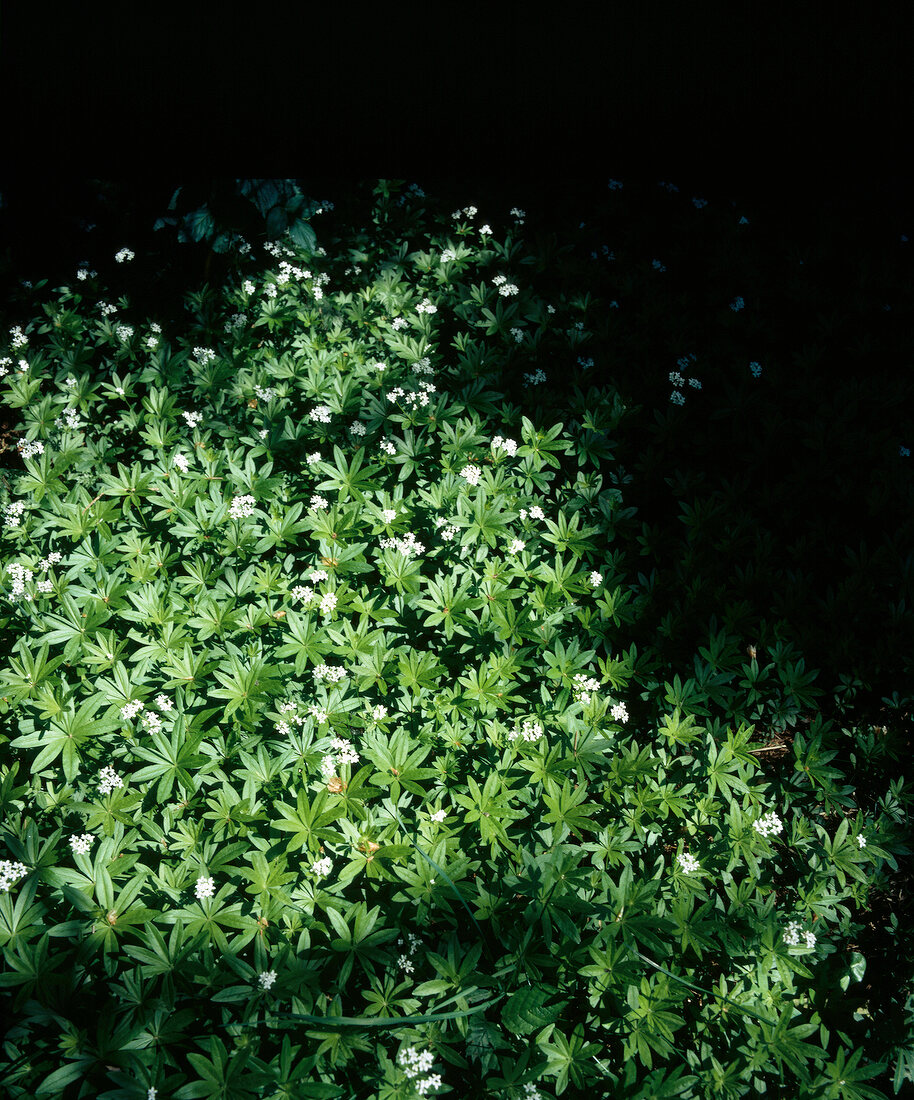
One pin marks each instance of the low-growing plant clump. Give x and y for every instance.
(406, 691)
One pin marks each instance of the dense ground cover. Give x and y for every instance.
(458, 651)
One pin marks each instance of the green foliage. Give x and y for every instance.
(342, 720)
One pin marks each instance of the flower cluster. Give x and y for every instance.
(619, 712)
(18, 339)
(793, 935)
(535, 513)
(737, 304)
(124, 254)
(509, 446)
(131, 710)
(426, 306)
(515, 546)
(333, 675)
(343, 753)
(205, 888)
(404, 961)
(756, 369)
(242, 506)
(584, 686)
(192, 418)
(535, 378)
(321, 414)
(30, 449)
(12, 513)
(109, 780)
(414, 1062)
(530, 730)
(9, 873)
(407, 545)
(81, 844)
(596, 579)
(266, 978)
(768, 825)
(182, 463)
(322, 867)
(688, 864)
(413, 398)
(21, 576)
(471, 473)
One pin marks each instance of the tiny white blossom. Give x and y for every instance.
(388, 515)
(328, 603)
(318, 502)
(242, 506)
(619, 712)
(205, 887)
(768, 825)
(124, 255)
(320, 413)
(516, 546)
(266, 978)
(861, 841)
(439, 815)
(10, 872)
(81, 844)
(472, 474)
(164, 703)
(322, 867)
(689, 864)
(109, 780)
(596, 579)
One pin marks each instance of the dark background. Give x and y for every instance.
(804, 117)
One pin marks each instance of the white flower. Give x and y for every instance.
(302, 592)
(192, 418)
(584, 686)
(319, 502)
(768, 825)
(485, 230)
(109, 780)
(756, 369)
(379, 712)
(241, 507)
(792, 935)
(387, 447)
(81, 844)
(530, 731)
(536, 512)
(131, 710)
(516, 546)
(596, 579)
(689, 864)
(29, 450)
(205, 888)
(322, 867)
(13, 513)
(164, 703)
(737, 304)
(619, 713)
(676, 378)
(152, 1093)
(677, 398)
(266, 978)
(320, 413)
(388, 515)
(9, 873)
(328, 603)
(124, 254)
(861, 841)
(439, 815)
(318, 575)
(425, 306)
(472, 474)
